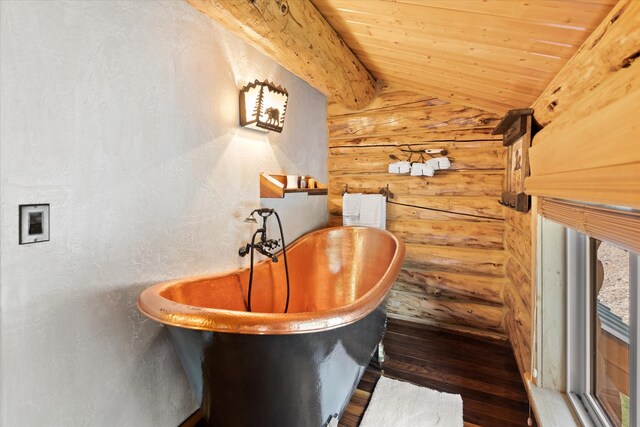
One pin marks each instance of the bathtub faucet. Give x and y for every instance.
(265, 246)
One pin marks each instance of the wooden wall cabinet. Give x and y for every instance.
(516, 128)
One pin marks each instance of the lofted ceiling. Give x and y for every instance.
(492, 54)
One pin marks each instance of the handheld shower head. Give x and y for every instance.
(251, 219)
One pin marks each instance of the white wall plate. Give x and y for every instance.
(34, 223)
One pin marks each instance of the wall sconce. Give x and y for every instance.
(263, 106)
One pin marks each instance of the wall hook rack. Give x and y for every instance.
(431, 152)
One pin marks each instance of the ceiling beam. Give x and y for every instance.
(295, 35)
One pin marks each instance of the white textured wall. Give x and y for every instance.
(123, 116)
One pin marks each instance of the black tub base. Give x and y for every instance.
(278, 380)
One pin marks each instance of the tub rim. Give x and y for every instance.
(163, 310)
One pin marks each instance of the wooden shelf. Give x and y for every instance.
(275, 187)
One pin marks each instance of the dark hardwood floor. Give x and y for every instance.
(482, 371)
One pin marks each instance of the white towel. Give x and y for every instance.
(373, 211)
(438, 163)
(351, 208)
(399, 167)
(421, 169)
(367, 210)
(444, 162)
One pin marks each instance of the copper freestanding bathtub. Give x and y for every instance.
(268, 368)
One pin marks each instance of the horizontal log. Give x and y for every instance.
(481, 333)
(455, 260)
(520, 350)
(605, 166)
(479, 135)
(602, 146)
(449, 312)
(518, 246)
(591, 141)
(452, 286)
(606, 55)
(438, 139)
(465, 234)
(518, 282)
(388, 97)
(389, 122)
(520, 314)
(473, 205)
(298, 37)
(486, 103)
(518, 220)
(445, 183)
(479, 205)
(347, 161)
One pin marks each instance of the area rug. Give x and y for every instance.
(400, 404)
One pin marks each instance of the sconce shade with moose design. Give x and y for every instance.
(263, 106)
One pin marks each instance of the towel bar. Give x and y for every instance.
(382, 190)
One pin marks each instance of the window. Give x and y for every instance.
(602, 325)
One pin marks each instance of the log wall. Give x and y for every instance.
(602, 73)
(454, 271)
(518, 290)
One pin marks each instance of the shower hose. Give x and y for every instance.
(286, 265)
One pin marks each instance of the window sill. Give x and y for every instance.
(551, 408)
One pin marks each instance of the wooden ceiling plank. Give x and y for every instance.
(458, 86)
(475, 64)
(463, 66)
(581, 14)
(488, 35)
(424, 74)
(489, 105)
(411, 16)
(439, 33)
(297, 36)
(512, 83)
(500, 60)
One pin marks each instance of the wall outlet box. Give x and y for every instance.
(34, 223)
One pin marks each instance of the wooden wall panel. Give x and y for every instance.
(454, 270)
